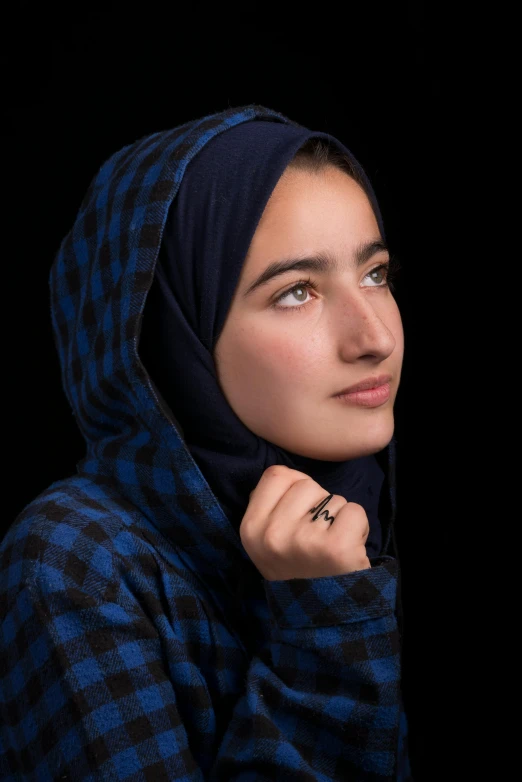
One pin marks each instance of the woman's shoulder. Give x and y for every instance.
(69, 537)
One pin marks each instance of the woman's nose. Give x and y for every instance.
(365, 332)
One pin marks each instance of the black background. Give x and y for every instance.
(399, 86)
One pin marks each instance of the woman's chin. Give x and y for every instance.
(351, 445)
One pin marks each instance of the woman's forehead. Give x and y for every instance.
(304, 204)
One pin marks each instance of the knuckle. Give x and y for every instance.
(275, 470)
(357, 513)
(244, 534)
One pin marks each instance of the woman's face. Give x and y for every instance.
(280, 363)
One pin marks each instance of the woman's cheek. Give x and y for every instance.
(283, 357)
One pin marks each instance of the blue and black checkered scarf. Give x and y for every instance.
(222, 194)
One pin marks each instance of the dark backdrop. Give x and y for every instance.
(393, 85)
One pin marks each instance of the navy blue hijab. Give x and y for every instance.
(209, 228)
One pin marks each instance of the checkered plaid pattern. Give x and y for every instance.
(137, 641)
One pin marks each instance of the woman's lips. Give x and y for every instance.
(373, 397)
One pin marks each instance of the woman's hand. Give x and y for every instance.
(283, 542)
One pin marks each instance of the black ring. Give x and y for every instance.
(321, 512)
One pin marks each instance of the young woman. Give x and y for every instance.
(214, 595)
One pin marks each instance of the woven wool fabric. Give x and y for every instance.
(138, 641)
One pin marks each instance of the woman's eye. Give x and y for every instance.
(379, 275)
(298, 293)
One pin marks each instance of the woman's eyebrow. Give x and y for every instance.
(320, 263)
